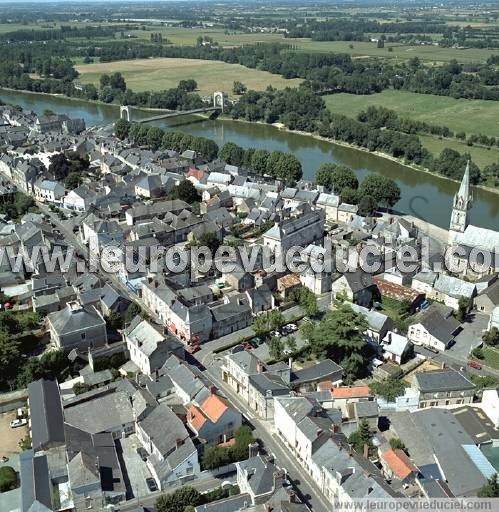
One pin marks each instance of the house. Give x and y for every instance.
(438, 388)
(345, 397)
(321, 371)
(299, 231)
(150, 186)
(46, 420)
(396, 464)
(378, 324)
(329, 203)
(173, 458)
(236, 370)
(442, 450)
(396, 348)
(287, 284)
(231, 317)
(77, 326)
(213, 420)
(262, 388)
(490, 405)
(258, 478)
(102, 410)
(260, 299)
(399, 293)
(148, 348)
(36, 487)
(449, 290)
(48, 191)
(80, 199)
(367, 410)
(357, 286)
(435, 327)
(239, 279)
(488, 299)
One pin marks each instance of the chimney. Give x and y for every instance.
(156, 374)
(290, 363)
(213, 390)
(259, 367)
(366, 451)
(253, 450)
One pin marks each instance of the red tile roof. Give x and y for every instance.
(399, 463)
(351, 392)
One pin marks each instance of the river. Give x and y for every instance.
(423, 195)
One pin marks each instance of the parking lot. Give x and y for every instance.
(135, 467)
(10, 436)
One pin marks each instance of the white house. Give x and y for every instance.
(48, 191)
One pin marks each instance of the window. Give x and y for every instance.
(83, 335)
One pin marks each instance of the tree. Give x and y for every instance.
(243, 438)
(9, 358)
(259, 161)
(361, 437)
(382, 189)
(188, 85)
(104, 81)
(367, 206)
(491, 337)
(397, 444)
(215, 457)
(177, 501)
(306, 299)
(121, 128)
(8, 479)
(209, 240)
(490, 489)
(132, 311)
(231, 153)
(464, 304)
(388, 389)
(275, 348)
(350, 195)
(185, 191)
(73, 180)
(79, 388)
(288, 168)
(336, 177)
(59, 166)
(9, 322)
(238, 87)
(291, 343)
(116, 81)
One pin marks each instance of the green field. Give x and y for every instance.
(159, 74)
(491, 357)
(185, 36)
(469, 116)
(480, 155)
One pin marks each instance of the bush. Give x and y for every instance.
(8, 479)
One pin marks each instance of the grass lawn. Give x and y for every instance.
(491, 357)
(469, 116)
(158, 74)
(481, 156)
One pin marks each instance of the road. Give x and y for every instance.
(65, 228)
(202, 485)
(456, 362)
(307, 489)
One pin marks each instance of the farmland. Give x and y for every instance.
(158, 74)
(469, 116)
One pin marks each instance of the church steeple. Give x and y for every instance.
(462, 203)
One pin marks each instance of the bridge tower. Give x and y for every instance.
(125, 109)
(219, 99)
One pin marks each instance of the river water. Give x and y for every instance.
(423, 195)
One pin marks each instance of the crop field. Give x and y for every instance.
(158, 74)
(469, 116)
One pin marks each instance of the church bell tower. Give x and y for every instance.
(462, 203)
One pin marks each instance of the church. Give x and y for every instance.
(469, 237)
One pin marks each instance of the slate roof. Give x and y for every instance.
(442, 380)
(36, 487)
(75, 317)
(319, 371)
(441, 328)
(47, 425)
(260, 474)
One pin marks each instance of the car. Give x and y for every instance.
(151, 483)
(142, 453)
(474, 364)
(256, 341)
(247, 345)
(18, 423)
(275, 334)
(432, 349)
(192, 349)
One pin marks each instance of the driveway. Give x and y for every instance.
(10, 436)
(470, 337)
(135, 468)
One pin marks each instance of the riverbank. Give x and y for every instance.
(278, 126)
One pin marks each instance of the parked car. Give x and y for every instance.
(192, 349)
(247, 345)
(256, 341)
(151, 483)
(474, 364)
(291, 327)
(143, 454)
(18, 423)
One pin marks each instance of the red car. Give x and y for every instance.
(474, 364)
(247, 345)
(192, 349)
